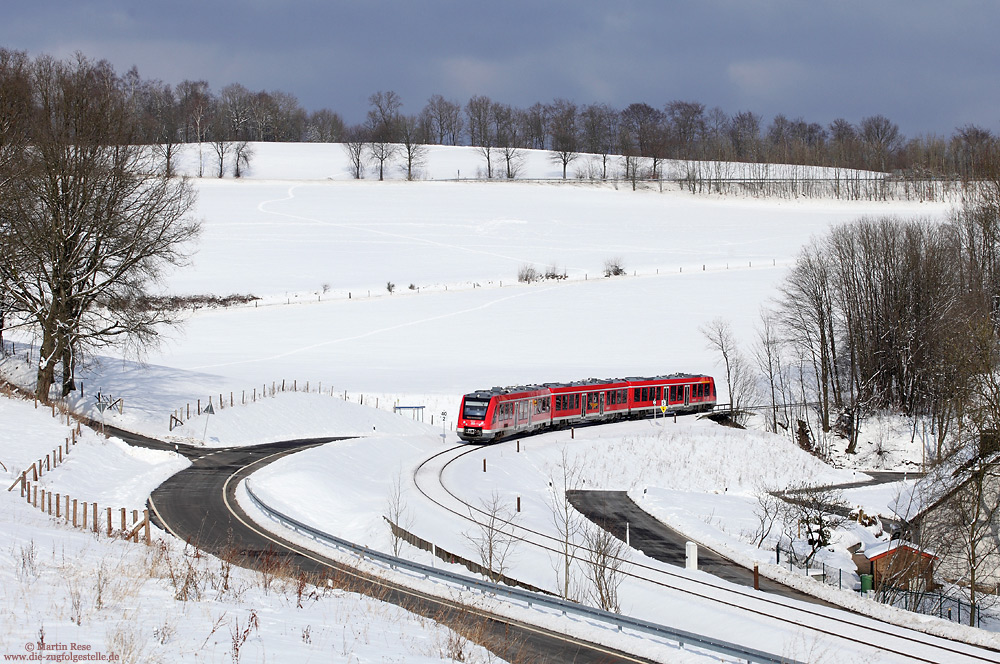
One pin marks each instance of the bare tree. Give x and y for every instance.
(599, 132)
(494, 539)
(325, 126)
(810, 516)
(739, 378)
(686, 122)
(482, 134)
(444, 118)
(564, 132)
(15, 114)
(505, 131)
(196, 107)
(222, 148)
(605, 566)
(534, 123)
(568, 522)
(355, 140)
(744, 135)
(881, 139)
(242, 154)
(93, 226)
(397, 512)
(767, 355)
(413, 148)
(383, 128)
(768, 511)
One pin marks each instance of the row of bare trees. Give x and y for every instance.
(191, 112)
(896, 315)
(87, 220)
(645, 136)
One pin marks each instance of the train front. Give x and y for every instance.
(474, 417)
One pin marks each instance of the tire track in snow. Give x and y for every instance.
(371, 333)
(373, 231)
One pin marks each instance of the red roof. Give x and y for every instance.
(886, 548)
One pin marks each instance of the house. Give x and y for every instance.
(962, 521)
(897, 564)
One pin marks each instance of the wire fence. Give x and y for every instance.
(830, 575)
(943, 606)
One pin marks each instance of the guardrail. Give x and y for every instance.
(681, 637)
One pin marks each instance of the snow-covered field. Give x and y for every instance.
(319, 250)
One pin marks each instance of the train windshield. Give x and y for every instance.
(475, 409)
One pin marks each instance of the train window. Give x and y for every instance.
(475, 409)
(635, 394)
(659, 392)
(645, 394)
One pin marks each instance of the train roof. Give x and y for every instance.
(517, 389)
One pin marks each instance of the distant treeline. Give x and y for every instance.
(192, 112)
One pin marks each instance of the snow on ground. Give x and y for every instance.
(320, 249)
(162, 603)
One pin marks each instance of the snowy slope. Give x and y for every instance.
(319, 249)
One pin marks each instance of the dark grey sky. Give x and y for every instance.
(930, 66)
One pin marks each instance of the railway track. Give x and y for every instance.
(841, 627)
(198, 505)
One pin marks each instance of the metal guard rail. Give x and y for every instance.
(620, 621)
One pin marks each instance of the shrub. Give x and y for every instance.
(613, 267)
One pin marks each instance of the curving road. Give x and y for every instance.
(612, 510)
(198, 505)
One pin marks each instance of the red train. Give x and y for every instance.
(488, 415)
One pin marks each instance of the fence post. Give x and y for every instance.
(124, 524)
(145, 514)
(109, 522)
(84, 516)
(58, 503)
(96, 525)
(74, 512)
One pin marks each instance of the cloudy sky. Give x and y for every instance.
(930, 66)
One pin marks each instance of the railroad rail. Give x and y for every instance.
(681, 637)
(935, 649)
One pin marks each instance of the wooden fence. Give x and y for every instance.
(81, 514)
(218, 402)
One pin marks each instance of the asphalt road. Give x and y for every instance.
(613, 509)
(198, 505)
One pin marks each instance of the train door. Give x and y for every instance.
(602, 402)
(687, 395)
(583, 404)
